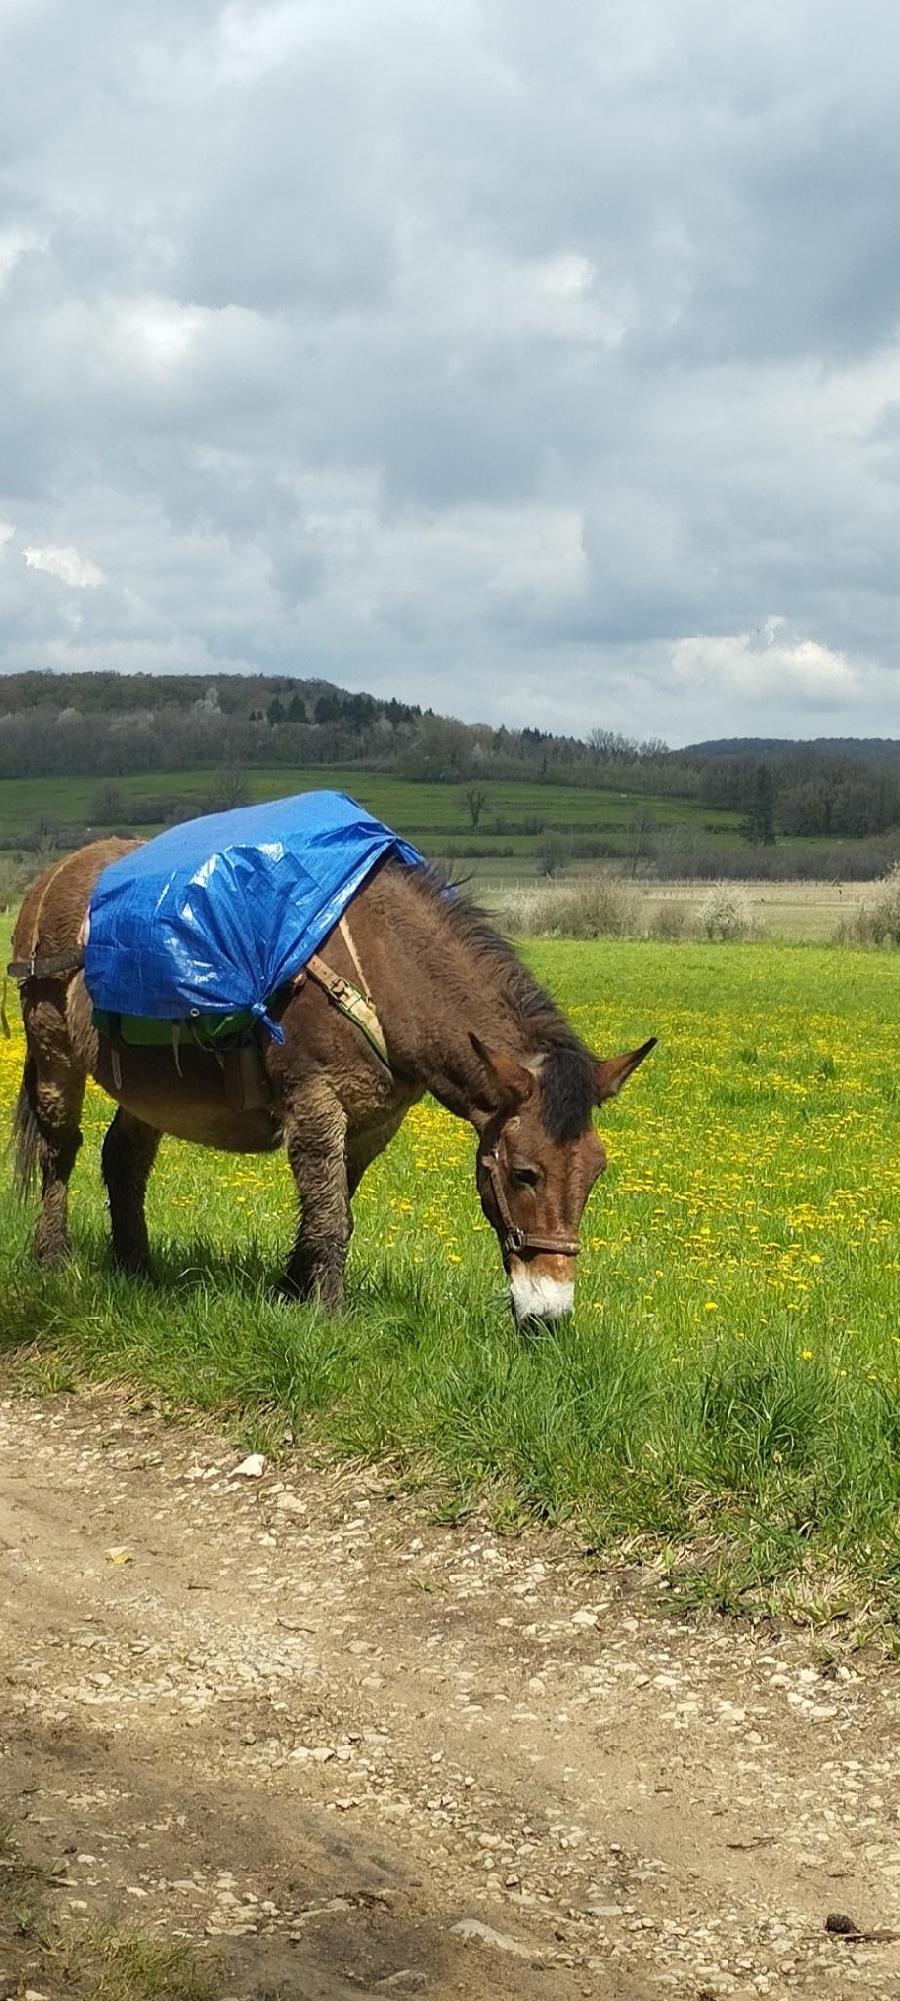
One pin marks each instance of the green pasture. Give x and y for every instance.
(433, 814)
(724, 1405)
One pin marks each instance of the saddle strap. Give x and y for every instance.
(50, 968)
(350, 1002)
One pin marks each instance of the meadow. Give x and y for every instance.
(435, 813)
(724, 1405)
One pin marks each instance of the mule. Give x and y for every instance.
(460, 1016)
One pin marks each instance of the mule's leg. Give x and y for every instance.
(315, 1130)
(364, 1145)
(129, 1151)
(48, 1125)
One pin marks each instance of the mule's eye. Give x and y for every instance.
(524, 1177)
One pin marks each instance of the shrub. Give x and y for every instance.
(600, 906)
(669, 920)
(725, 914)
(878, 922)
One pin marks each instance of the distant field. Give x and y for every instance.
(433, 814)
(807, 911)
(726, 1400)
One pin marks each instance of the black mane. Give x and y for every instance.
(568, 1089)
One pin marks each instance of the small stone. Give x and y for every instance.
(251, 1468)
(472, 1930)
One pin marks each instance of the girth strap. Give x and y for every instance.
(50, 968)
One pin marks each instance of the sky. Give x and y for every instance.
(537, 364)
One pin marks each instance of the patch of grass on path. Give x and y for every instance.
(87, 1961)
(726, 1400)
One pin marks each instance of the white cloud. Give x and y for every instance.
(765, 664)
(66, 564)
(159, 331)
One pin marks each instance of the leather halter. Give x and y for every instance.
(514, 1238)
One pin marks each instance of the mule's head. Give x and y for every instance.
(538, 1159)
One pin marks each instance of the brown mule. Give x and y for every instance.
(460, 1015)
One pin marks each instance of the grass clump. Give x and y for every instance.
(877, 922)
(89, 1962)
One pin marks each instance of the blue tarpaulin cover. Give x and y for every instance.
(214, 915)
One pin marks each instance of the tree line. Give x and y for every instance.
(117, 725)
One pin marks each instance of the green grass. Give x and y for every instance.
(726, 1399)
(430, 812)
(90, 1961)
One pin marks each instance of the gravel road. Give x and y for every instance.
(346, 1751)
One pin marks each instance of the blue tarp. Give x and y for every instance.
(214, 915)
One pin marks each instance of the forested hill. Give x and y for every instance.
(118, 725)
(868, 749)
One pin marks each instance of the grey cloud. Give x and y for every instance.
(519, 363)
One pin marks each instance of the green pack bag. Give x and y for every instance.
(206, 1031)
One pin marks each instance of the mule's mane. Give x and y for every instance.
(568, 1090)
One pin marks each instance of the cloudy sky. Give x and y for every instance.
(536, 362)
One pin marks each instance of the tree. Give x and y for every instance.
(229, 789)
(555, 852)
(476, 799)
(108, 805)
(758, 824)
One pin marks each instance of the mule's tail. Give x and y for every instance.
(26, 1131)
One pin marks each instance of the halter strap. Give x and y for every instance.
(514, 1238)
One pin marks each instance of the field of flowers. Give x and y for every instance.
(726, 1402)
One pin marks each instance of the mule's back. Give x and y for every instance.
(54, 907)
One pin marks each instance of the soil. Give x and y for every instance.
(347, 1751)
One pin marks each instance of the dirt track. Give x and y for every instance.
(308, 1730)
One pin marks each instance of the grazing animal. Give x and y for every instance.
(460, 1017)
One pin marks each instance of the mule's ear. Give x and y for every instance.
(614, 1071)
(510, 1081)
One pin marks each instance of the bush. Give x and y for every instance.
(878, 922)
(669, 920)
(725, 914)
(600, 906)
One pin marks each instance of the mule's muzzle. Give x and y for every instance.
(542, 1289)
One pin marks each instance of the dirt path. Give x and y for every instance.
(308, 1730)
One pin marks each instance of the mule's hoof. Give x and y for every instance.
(133, 1265)
(51, 1256)
(309, 1292)
(290, 1289)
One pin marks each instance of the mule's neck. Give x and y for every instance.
(440, 987)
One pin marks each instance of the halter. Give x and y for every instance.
(515, 1239)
